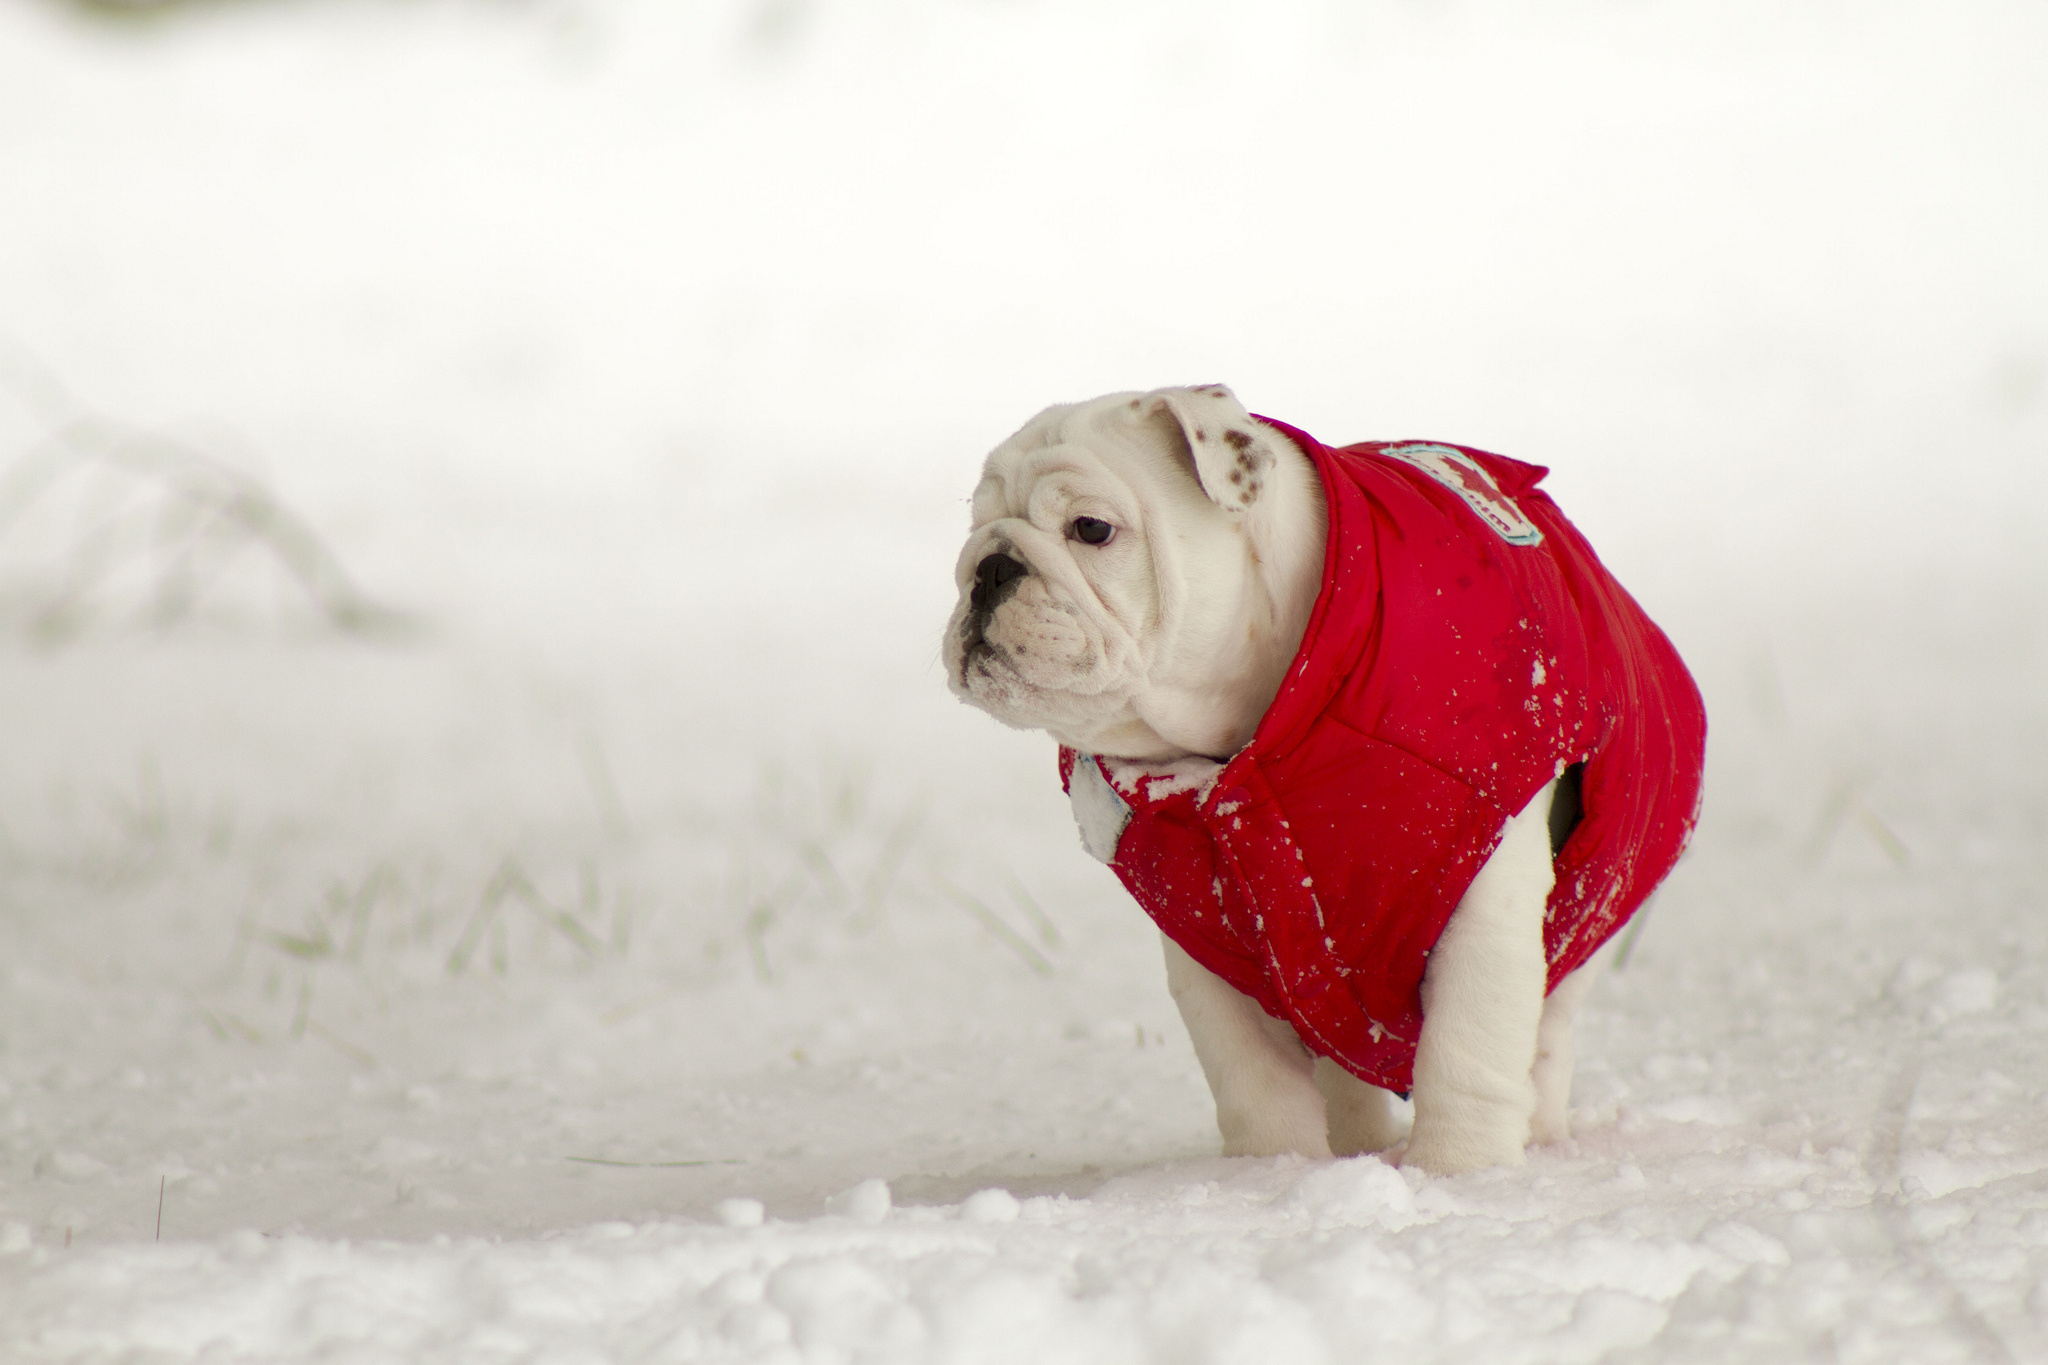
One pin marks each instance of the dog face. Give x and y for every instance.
(1134, 567)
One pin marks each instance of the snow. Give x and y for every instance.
(1162, 781)
(625, 948)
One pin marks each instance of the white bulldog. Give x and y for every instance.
(1137, 581)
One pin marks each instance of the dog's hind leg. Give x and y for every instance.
(1262, 1077)
(1362, 1117)
(1482, 1004)
(1553, 1070)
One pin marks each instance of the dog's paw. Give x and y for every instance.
(1277, 1144)
(1550, 1123)
(1272, 1135)
(1362, 1118)
(1452, 1153)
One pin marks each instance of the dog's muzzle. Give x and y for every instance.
(995, 578)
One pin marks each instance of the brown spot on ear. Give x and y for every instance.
(1136, 404)
(1218, 391)
(1201, 435)
(1246, 462)
(1237, 476)
(1238, 439)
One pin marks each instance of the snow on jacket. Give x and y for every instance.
(1467, 646)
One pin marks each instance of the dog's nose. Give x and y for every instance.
(992, 580)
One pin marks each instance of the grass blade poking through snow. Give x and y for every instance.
(895, 849)
(994, 923)
(510, 882)
(1047, 930)
(148, 514)
(1847, 802)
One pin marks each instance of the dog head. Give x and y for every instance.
(1138, 574)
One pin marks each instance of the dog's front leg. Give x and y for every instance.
(1262, 1077)
(1482, 1001)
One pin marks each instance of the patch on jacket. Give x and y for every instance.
(1098, 810)
(1466, 477)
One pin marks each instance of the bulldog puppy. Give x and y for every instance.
(1137, 582)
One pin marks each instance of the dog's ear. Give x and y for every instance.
(1233, 455)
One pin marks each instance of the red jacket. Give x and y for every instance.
(1466, 647)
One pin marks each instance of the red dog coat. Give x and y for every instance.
(1467, 646)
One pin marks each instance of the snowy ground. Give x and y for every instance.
(553, 973)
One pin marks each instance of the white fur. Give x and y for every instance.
(1554, 1058)
(1168, 643)
(1494, 1058)
(1359, 1116)
(1263, 1079)
(1482, 1000)
(1173, 638)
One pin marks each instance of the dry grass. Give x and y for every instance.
(104, 524)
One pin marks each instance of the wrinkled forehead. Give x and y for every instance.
(1093, 447)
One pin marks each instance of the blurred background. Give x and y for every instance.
(1762, 283)
(479, 481)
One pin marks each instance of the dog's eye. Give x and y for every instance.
(1093, 530)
